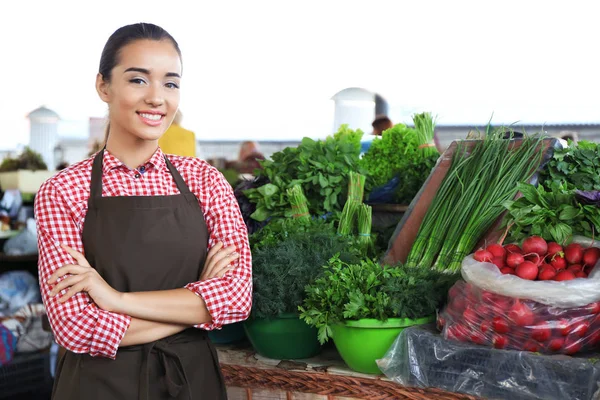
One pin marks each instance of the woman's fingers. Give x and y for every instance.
(64, 270)
(80, 258)
(214, 250)
(220, 268)
(73, 290)
(65, 283)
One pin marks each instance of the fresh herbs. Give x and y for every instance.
(555, 215)
(349, 291)
(425, 128)
(281, 270)
(280, 229)
(322, 169)
(471, 197)
(397, 153)
(576, 166)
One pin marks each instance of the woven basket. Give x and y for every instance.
(329, 384)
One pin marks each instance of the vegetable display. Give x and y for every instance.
(471, 197)
(576, 166)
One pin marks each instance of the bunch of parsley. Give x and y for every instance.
(577, 167)
(352, 291)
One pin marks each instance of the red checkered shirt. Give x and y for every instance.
(60, 208)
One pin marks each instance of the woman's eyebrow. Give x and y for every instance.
(147, 72)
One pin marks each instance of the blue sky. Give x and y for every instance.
(267, 69)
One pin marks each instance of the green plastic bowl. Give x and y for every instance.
(286, 337)
(362, 342)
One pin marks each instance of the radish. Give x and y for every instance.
(591, 256)
(499, 262)
(521, 314)
(507, 271)
(531, 346)
(574, 253)
(527, 270)
(564, 276)
(572, 346)
(558, 263)
(500, 325)
(580, 274)
(482, 255)
(541, 332)
(477, 337)
(484, 327)
(470, 316)
(513, 248)
(499, 341)
(546, 274)
(593, 308)
(564, 326)
(575, 268)
(497, 250)
(535, 244)
(554, 248)
(581, 328)
(514, 259)
(556, 344)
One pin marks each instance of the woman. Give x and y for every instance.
(125, 273)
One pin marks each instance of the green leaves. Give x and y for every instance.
(321, 167)
(577, 167)
(367, 290)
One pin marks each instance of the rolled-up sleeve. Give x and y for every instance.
(228, 299)
(78, 324)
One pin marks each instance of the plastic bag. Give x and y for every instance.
(24, 243)
(17, 289)
(567, 294)
(420, 357)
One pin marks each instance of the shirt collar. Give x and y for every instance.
(111, 162)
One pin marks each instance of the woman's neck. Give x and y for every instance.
(131, 151)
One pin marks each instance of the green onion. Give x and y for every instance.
(347, 218)
(356, 186)
(365, 216)
(298, 202)
(425, 128)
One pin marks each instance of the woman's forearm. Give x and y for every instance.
(142, 331)
(177, 306)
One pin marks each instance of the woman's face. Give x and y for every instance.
(143, 92)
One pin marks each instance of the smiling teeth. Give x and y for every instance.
(153, 117)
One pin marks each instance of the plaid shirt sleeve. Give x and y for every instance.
(228, 299)
(78, 324)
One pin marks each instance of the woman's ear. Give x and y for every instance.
(102, 88)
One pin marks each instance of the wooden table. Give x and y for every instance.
(249, 376)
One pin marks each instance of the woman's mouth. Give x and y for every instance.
(152, 119)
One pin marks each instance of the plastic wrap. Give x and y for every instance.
(420, 357)
(567, 294)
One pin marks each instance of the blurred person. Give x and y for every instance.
(381, 124)
(178, 140)
(249, 157)
(140, 253)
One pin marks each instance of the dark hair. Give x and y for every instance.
(122, 37)
(126, 35)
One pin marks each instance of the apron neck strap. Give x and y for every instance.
(181, 185)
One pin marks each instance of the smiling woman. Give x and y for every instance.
(140, 253)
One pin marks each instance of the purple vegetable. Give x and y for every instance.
(591, 197)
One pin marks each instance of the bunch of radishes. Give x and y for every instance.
(538, 260)
(482, 317)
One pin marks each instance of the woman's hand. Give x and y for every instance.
(218, 261)
(83, 278)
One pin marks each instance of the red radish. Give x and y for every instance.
(581, 274)
(554, 248)
(521, 314)
(546, 274)
(564, 276)
(531, 346)
(500, 325)
(591, 256)
(535, 244)
(547, 266)
(527, 270)
(541, 332)
(559, 263)
(574, 253)
(454, 291)
(595, 338)
(534, 258)
(572, 345)
(514, 259)
(482, 255)
(556, 344)
(477, 337)
(593, 308)
(499, 262)
(513, 248)
(499, 341)
(575, 268)
(497, 250)
(470, 316)
(588, 269)
(565, 327)
(484, 327)
(581, 328)
(507, 271)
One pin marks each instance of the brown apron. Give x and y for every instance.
(144, 243)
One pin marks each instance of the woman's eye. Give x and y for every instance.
(172, 85)
(138, 81)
